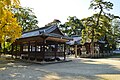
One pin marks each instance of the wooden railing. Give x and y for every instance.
(38, 54)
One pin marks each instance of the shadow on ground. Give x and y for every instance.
(77, 69)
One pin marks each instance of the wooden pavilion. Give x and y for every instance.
(101, 48)
(42, 44)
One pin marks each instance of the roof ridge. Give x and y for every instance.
(37, 29)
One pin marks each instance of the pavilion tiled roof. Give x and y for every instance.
(45, 31)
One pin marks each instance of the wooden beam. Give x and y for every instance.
(37, 38)
(57, 39)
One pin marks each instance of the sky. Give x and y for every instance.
(48, 10)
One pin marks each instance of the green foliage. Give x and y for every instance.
(99, 31)
(115, 31)
(5, 45)
(54, 22)
(98, 25)
(72, 27)
(9, 26)
(101, 4)
(116, 27)
(26, 18)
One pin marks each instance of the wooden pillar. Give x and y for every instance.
(64, 51)
(43, 50)
(21, 49)
(75, 51)
(56, 47)
(29, 50)
(35, 50)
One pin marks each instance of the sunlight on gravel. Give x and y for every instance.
(10, 64)
(110, 76)
(20, 66)
(57, 77)
(1, 69)
(51, 77)
(77, 69)
(14, 74)
(93, 62)
(113, 63)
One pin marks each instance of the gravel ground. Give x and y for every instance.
(77, 69)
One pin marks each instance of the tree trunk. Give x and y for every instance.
(92, 49)
(92, 44)
(0, 50)
(92, 40)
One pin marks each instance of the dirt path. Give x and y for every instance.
(77, 69)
